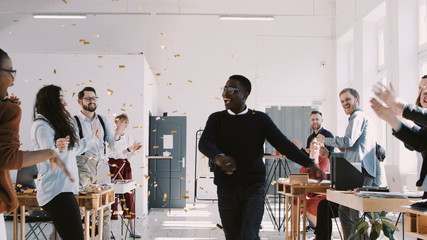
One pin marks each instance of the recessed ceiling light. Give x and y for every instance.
(59, 16)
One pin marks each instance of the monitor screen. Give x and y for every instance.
(344, 176)
(26, 176)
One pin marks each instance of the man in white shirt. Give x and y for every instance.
(93, 164)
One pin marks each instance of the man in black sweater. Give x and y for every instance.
(233, 140)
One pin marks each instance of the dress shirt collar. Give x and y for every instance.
(241, 113)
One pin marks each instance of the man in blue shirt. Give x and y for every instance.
(358, 144)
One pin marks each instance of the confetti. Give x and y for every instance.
(177, 55)
(232, 55)
(182, 178)
(96, 35)
(155, 147)
(146, 176)
(185, 197)
(138, 126)
(165, 197)
(149, 193)
(173, 131)
(273, 182)
(82, 40)
(65, 1)
(155, 184)
(86, 42)
(100, 56)
(190, 81)
(170, 98)
(110, 175)
(201, 188)
(151, 68)
(124, 110)
(162, 34)
(214, 228)
(74, 25)
(187, 192)
(155, 130)
(131, 106)
(122, 66)
(19, 185)
(158, 74)
(141, 8)
(128, 216)
(217, 98)
(164, 205)
(168, 84)
(123, 200)
(219, 226)
(15, 21)
(163, 47)
(110, 92)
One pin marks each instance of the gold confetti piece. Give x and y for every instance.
(123, 200)
(132, 213)
(91, 81)
(128, 216)
(163, 47)
(158, 74)
(88, 179)
(182, 178)
(141, 8)
(187, 192)
(201, 188)
(185, 197)
(72, 95)
(149, 193)
(15, 21)
(214, 228)
(155, 130)
(273, 182)
(165, 69)
(86, 42)
(100, 56)
(65, 1)
(54, 71)
(164, 205)
(82, 40)
(139, 126)
(168, 84)
(123, 223)
(173, 131)
(162, 34)
(74, 25)
(151, 68)
(110, 175)
(177, 55)
(110, 92)
(165, 197)
(170, 98)
(190, 81)
(96, 35)
(219, 226)
(124, 110)
(130, 105)
(146, 176)
(217, 98)
(155, 147)
(126, 209)
(18, 185)
(122, 66)
(113, 165)
(232, 55)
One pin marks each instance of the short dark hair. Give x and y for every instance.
(352, 91)
(424, 77)
(86, 89)
(243, 81)
(316, 112)
(3, 57)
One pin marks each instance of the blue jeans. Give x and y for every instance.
(241, 209)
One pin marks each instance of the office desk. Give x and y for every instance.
(293, 193)
(416, 222)
(90, 202)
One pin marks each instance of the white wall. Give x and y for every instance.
(209, 51)
(130, 85)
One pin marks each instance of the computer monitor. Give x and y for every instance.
(26, 176)
(344, 176)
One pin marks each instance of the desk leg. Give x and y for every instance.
(93, 225)
(298, 217)
(304, 216)
(287, 218)
(293, 218)
(100, 223)
(15, 224)
(87, 226)
(22, 222)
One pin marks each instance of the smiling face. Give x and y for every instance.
(423, 98)
(88, 102)
(235, 101)
(349, 102)
(316, 121)
(315, 146)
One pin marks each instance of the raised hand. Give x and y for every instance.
(316, 172)
(62, 143)
(55, 160)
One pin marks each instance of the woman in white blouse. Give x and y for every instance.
(53, 128)
(120, 169)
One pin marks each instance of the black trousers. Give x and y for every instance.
(65, 214)
(326, 210)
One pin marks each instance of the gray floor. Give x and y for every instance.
(195, 222)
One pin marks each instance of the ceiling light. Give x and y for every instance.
(59, 16)
(246, 17)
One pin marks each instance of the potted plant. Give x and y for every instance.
(376, 225)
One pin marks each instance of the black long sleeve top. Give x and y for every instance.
(242, 137)
(325, 133)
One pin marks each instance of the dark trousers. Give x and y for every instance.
(326, 210)
(241, 209)
(65, 214)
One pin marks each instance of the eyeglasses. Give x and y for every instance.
(231, 90)
(91, 99)
(12, 71)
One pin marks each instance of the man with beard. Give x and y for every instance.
(93, 164)
(316, 120)
(233, 141)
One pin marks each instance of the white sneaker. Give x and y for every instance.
(135, 234)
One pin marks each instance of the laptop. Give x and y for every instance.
(395, 184)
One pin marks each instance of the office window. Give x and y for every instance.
(422, 16)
